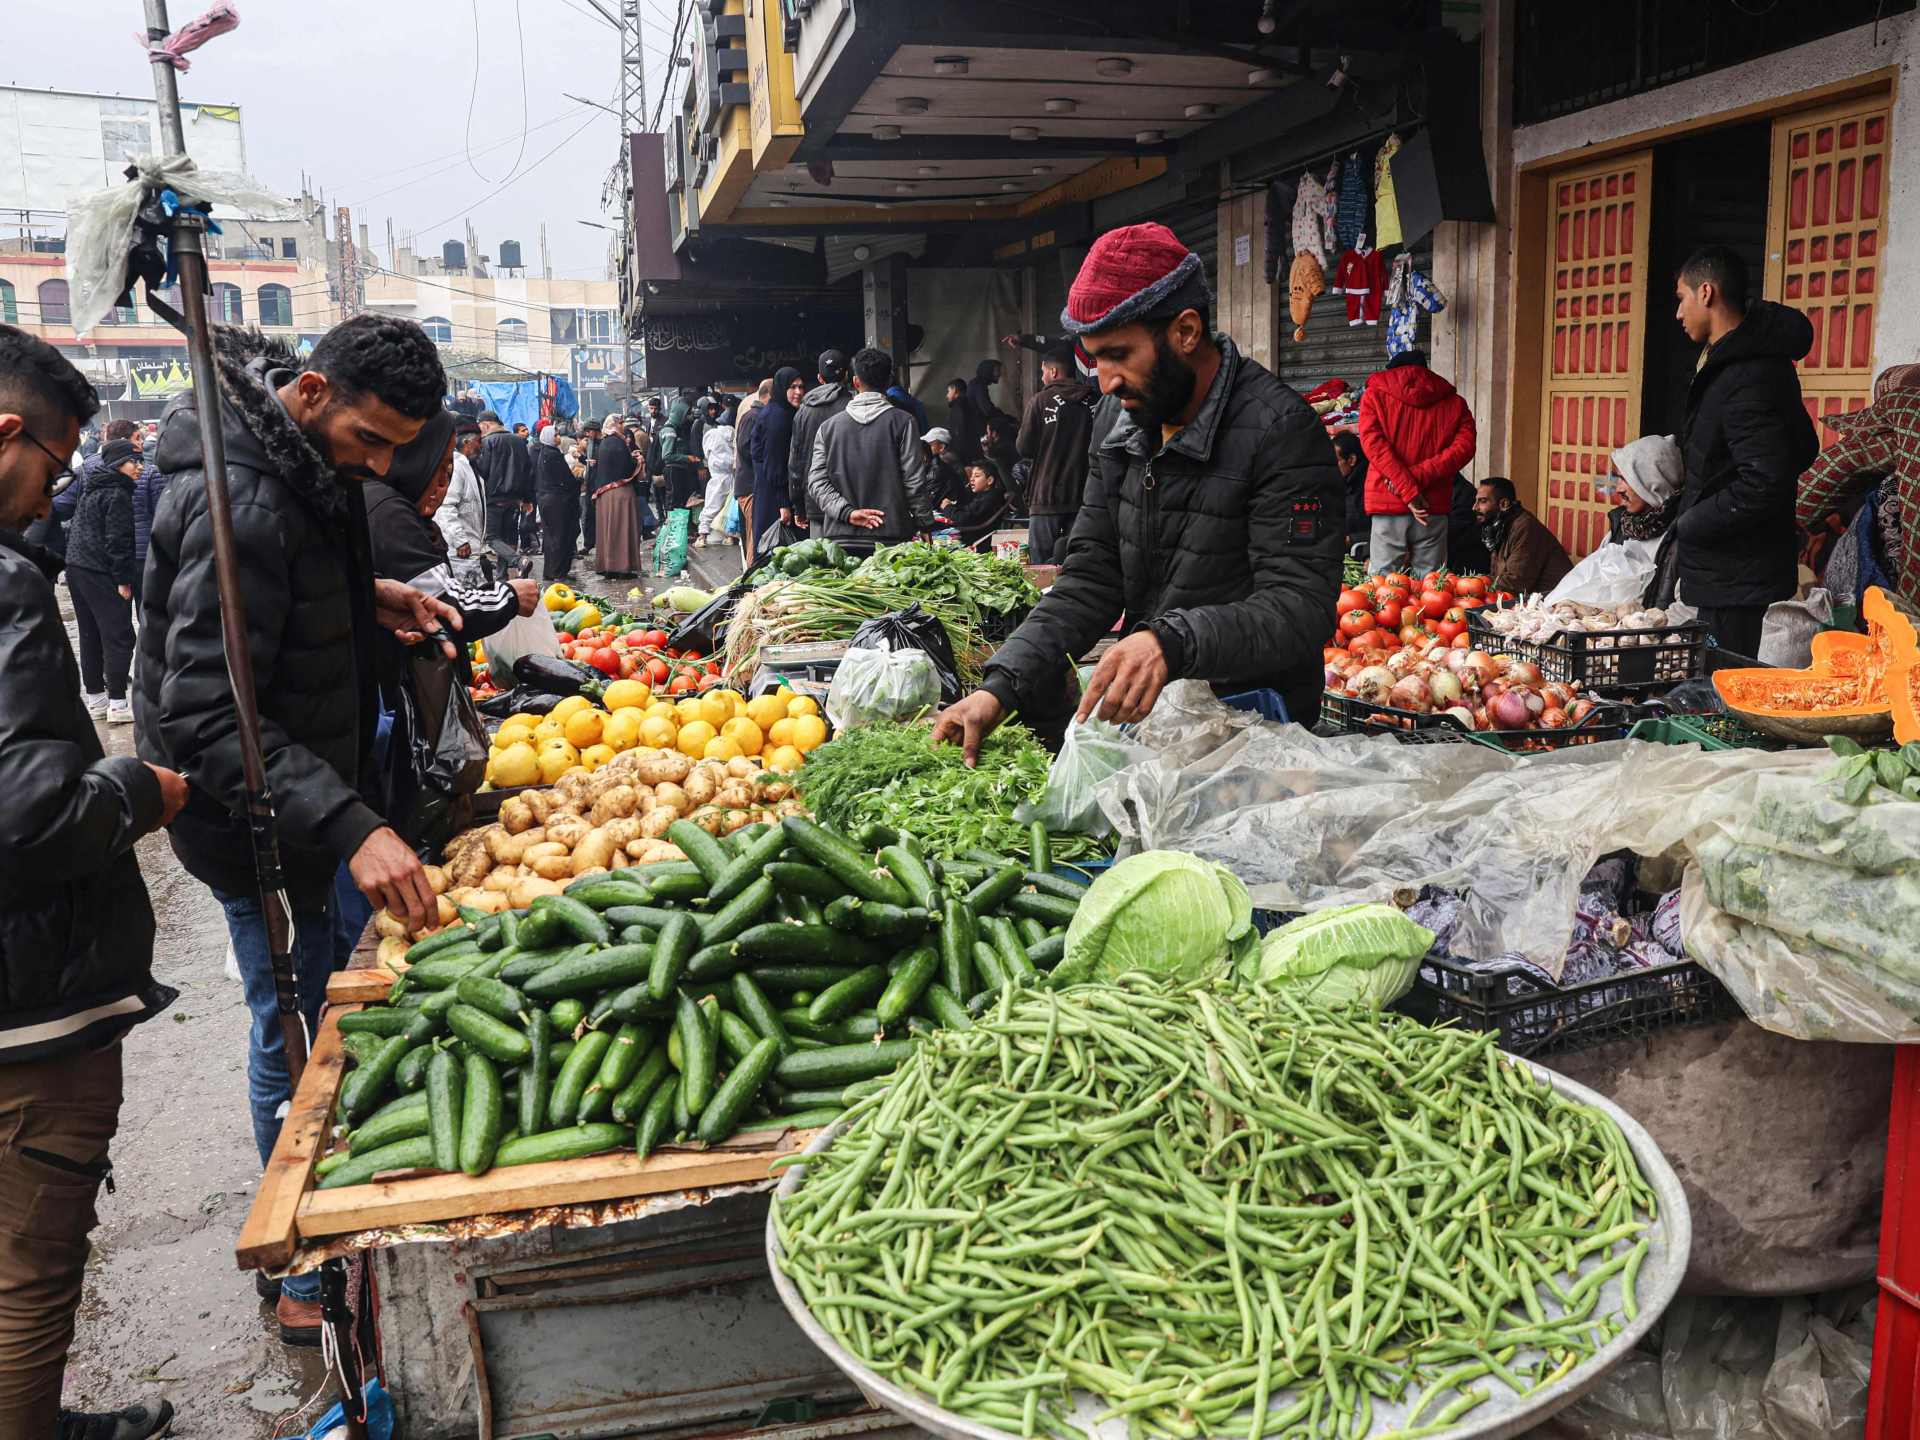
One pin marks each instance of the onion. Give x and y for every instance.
(1523, 672)
(1410, 692)
(1480, 717)
(1557, 694)
(1536, 704)
(1446, 688)
(1373, 684)
(1553, 719)
(1334, 678)
(1466, 717)
(1457, 660)
(1582, 708)
(1482, 666)
(1509, 711)
(1401, 661)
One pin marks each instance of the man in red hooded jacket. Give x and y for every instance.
(1417, 434)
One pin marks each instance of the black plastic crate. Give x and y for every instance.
(1603, 722)
(1357, 717)
(1605, 662)
(1536, 1018)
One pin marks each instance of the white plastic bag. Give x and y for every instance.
(1786, 635)
(100, 224)
(874, 685)
(1611, 575)
(1092, 752)
(525, 635)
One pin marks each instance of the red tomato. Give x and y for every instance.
(1356, 622)
(1455, 615)
(605, 661)
(1472, 602)
(1352, 600)
(682, 683)
(1450, 630)
(629, 665)
(1366, 641)
(1471, 585)
(1389, 615)
(1500, 597)
(1411, 633)
(691, 655)
(1435, 603)
(1462, 641)
(654, 639)
(657, 671)
(1437, 580)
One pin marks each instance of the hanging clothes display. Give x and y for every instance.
(1386, 209)
(1361, 276)
(1306, 282)
(1313, 221)
(1408, 293)
(1351, 219)
(1280, 198)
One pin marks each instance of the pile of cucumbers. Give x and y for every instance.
(767, 981)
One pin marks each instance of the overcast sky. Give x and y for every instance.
(369, 98)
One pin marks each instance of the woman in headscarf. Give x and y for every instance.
(772, 438)
(619, 514)
(1648, 473)
(408, 546)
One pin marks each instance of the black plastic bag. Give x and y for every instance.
(777, 534)
(914, 629)
(549, 672)
(438, 753)
(522, 699)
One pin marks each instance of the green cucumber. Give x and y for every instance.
(843, 997)
(701, 848)
(678, 940)
(682, 1113)
(631, 1103)
(651, 917)
(956, 947)
(903, 991)
(489, 1036)
(776, 941)
(445, 1089)
(510, 929)
(833, 1095)
(993, 970)
(565, 1016)
(381, 1020)
(945, 1008)
(536, 1076)
(875, 836)
(563, 1046)
(603, 892)
(636, 1002)
(657, 1115)
(913, 875)
(1047, 953)
(846, 864)
(360, 1045)
(411, 1073)
(700, 1055)
(1013, 955)
(816, 1118)
(1049, 909)
(744, 868)
(618, 965)
(582, 1063)
(1031, 931)
(841, 1064)
(574, 1142)
(400, 1119)
(793, 877)
(363, 1089)
(713, 962)
(493, 997)
(482, 1113)
(440, 940)
(737, 1037)
(992, 892)
(1065, 889)
(864, 1025)
(414, 1154)
(327, 1164)
(687, 889)
(840, 913)
(491, 933)
(635, 935)
(802, 910)
(1039, 848)
(722, 1113)
(752, 1005)
(581, 921)
(899, 924)
(733, 918)
(631, 1045)
(529, 963)
(441, 971)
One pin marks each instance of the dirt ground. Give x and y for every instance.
(166, 1312)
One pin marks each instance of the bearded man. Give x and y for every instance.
(1212, 523)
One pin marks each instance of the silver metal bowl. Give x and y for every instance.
(1502, 1414)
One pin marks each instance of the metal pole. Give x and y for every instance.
(626, 181)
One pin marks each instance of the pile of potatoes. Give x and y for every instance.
(593, 822)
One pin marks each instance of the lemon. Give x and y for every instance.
(694, 736)
(658, 731)
(781, 731)
(584, 728)
(721, 748)
(664, 709)
(548, 729)
(798, 706)
(690, 709)
(735, 702)
(785, 692)
(809, 733)
(569, 707)
(556, 761)
(512, 734)
(763, 710)
(744, 733)
(784, 758)
(715, 711)
(514, 765)
(622, 693)
(594, 756)
(622, 731)
(522, 718)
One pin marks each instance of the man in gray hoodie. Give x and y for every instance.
(869, 479)
(823, 402)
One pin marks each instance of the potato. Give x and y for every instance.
(516, 814)
(708, 818)
(654, 823)
(647, 802)
(652, 852)
(663, 767)
(392, 953)
(527, 891)
(733, 820)
(772, 789)
(491, 901)
(568, 830)
(510, 849)
(620, 861)
(465, 841)
(615, 803)
(595, 852)
(538, 803)
(700, 787)
(472, 868)
(554, 867)
(790, 807)
(741, 768)
(386, 924)
(671, 794)
(734, 795)
(503, 879)
(623, 831)
(436, 878)
(543, 850)
(449, 912)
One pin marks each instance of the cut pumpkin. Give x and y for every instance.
(1853, 687)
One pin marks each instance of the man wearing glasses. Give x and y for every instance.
(76, 931)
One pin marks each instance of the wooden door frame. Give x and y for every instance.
(1528, 340)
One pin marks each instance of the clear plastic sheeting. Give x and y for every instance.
(1791, 1369)
(100, 224)
(1308, 821)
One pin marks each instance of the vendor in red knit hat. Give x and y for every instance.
(1212, 525)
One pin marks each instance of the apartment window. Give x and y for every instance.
(565, 326)
(9, 307)
(54, 306)
(276, 305)
(228, 307)
(289, 248)
(439, 329)
(599, 327)
(510, 332)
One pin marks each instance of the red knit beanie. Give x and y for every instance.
(1130, 274)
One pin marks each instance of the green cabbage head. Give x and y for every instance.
(1346, 955)
(1162, 911)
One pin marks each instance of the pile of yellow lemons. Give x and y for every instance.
(779, 728)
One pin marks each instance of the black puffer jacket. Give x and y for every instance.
(100, 536)
(76, 931)
(308, 579)
(823, 402)
(1746, 439)
(1226, 543)
(505, 468)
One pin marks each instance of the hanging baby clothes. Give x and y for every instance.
(1386, 209)
(1312, 215)
(1280, 197)
(1356, 197)
(1408, 293)
(1361, 276)
(1305, 282)
(1329, 234)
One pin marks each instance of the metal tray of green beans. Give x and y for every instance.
(1503, 1414)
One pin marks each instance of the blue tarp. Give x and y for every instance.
(517, 402)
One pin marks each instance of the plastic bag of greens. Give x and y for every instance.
(1092, 751)
(914, 629)
(872, 685)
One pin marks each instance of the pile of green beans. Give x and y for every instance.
(1200, 1203)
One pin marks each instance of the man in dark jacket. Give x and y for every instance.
(76, 930)
(870, 479)
(506, 470)
(148, 487)
(826, 400)
(1053, 437)
(557, 493)
(100, 575)
(673, 436)
(300, 438)
(772, 451)
(1351, 460)
(985, 408)
(967, 428)
(1746, 438)
(1212, 523)
(1524, 556)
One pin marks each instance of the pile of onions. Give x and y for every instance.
(1482, 691)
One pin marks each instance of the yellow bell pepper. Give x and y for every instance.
(559, 598)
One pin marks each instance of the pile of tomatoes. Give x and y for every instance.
(631, 653)
(1385, 612)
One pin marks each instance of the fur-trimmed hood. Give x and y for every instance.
(259, 433)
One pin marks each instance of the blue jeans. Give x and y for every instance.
(318, 950)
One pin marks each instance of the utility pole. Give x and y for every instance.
(546, 264)
(633, 110)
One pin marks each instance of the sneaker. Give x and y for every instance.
(120, 712)
(136, 1422)
(299, 1322)
(264, 1285)
(96, 705)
